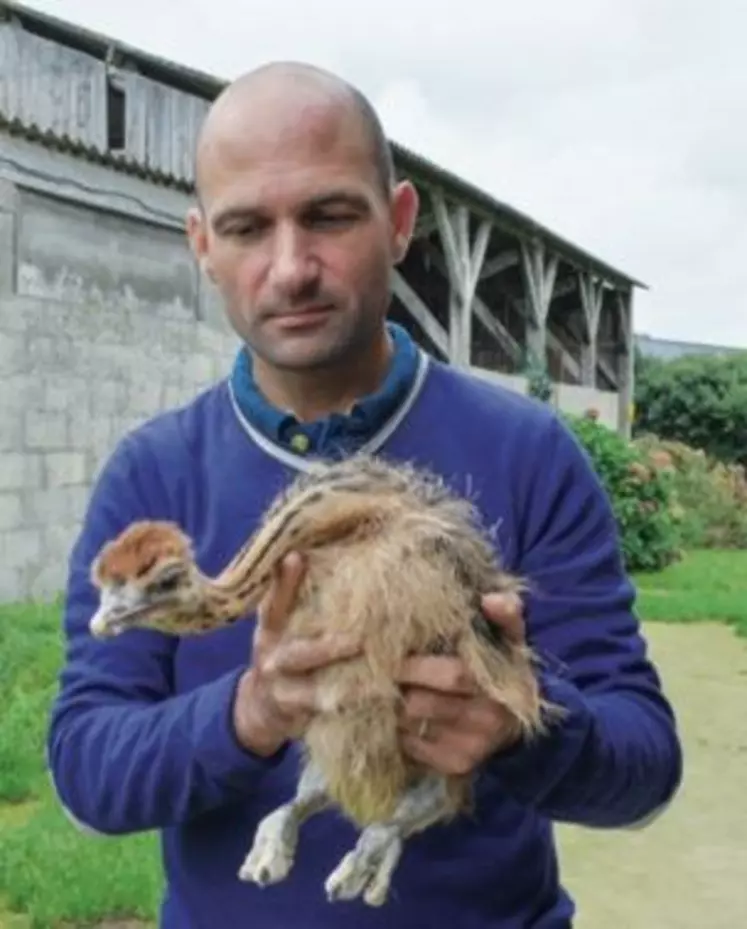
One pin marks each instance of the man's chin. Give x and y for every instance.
(305, 350)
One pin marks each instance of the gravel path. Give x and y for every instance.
(688, 870)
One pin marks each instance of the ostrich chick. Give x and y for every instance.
(394, 559)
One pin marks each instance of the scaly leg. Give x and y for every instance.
(271, 857)
(368, 868)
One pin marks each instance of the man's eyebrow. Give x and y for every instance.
(233, 213)
(338, 198)
(334, 198)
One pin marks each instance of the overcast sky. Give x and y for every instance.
(620, 124)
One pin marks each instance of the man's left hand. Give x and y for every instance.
(446, 723)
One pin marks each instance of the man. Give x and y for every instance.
(299, 223)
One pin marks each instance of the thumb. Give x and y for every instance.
(506, 611)
(275, 610)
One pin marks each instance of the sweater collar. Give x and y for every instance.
(337, 434)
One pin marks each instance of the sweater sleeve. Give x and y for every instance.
(124, 753)
(616, 759)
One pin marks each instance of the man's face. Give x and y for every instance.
(299, 236)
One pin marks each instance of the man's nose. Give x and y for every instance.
(293, 263)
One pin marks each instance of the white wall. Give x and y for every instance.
(569, 398)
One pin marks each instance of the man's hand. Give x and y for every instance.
(447, 723)
(276, 697)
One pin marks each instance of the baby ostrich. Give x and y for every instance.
(392, 558)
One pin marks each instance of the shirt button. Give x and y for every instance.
(300, 443)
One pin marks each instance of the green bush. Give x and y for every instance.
(713, 495)
(642, 497)
(698, 400)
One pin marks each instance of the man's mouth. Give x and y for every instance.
(304, 317)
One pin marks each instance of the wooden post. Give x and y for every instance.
(420, 312)
(540, 273)
(592, 297)
(464, 262)
(626, 363)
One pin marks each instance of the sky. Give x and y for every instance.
(619, 124)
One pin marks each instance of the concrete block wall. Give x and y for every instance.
(104, 321)
(73, 378)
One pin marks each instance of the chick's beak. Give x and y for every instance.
(117, 609)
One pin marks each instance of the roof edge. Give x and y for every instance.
(208, 86)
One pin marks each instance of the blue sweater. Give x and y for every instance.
(140, 736)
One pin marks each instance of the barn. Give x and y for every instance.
(105, 318)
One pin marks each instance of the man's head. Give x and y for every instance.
(300, 219)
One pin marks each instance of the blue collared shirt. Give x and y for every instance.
(337, 434)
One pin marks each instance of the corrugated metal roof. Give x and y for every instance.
(71, 146)
(196, 86)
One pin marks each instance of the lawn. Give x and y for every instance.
(705, 585)
(53, 877)
(48, 871)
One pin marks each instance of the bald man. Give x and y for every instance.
(299, 221)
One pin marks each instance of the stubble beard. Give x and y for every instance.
(337, 343)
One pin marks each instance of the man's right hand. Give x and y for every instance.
(277, 695)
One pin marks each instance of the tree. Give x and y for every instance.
(700, 400)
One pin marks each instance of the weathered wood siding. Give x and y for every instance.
(162, 125)
(56, 88)
(51, 86)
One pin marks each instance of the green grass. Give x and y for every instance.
(32, 652)
(705, 586)
(49, 871)
(57, 876)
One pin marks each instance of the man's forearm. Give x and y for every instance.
(124, 766)
(614, 761)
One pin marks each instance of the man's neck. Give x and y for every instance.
(313, 395)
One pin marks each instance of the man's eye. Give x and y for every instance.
(243, 231)
(332, 219)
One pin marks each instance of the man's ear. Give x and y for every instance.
(404, 210)
(197, 236)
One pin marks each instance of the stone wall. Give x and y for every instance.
(104, 321)
(75, 377)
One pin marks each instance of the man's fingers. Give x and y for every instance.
(300, 656)
(295, 698)
(419, 705)
(506, 611)
(437, 672)
(275, 609)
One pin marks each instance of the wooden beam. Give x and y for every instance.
(420, 312)
(496, 328)
(502, 335)
(481, 310)
(540, 273)
(626, 363)
(592, 297)
(464, 258)
(499, 263)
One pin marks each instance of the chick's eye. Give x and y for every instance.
(166, 584)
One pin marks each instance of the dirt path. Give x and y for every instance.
(689, 869)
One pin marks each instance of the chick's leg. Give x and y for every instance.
(273, 851)
(368, 868)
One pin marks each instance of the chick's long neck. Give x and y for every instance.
(230, 596)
